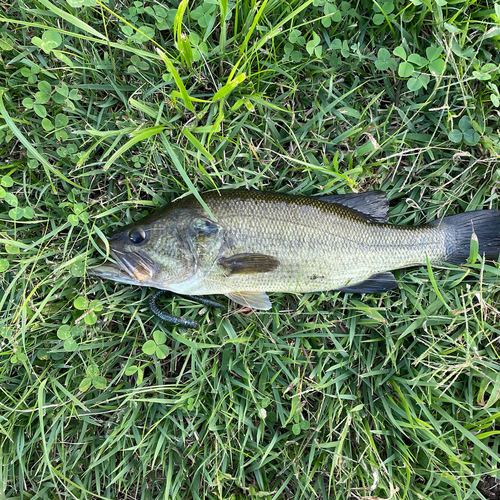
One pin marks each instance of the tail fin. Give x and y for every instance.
(459, 229)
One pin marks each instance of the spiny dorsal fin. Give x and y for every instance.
(248, 263)
(377, 283)
(372, 203)
(255, 300)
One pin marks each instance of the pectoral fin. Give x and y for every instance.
(248, 263)
(255, 300)
(377, 283)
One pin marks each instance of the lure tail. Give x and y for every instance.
(177, 320)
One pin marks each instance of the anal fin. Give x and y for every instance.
(255, 300)
(377, 283)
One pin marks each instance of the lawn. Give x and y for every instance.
(109, 110)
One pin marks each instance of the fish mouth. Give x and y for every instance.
(131, 267)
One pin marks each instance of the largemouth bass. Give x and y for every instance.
(271, 242)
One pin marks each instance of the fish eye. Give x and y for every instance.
(137, 236)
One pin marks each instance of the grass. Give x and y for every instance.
(109, 110)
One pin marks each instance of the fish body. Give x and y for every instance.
(272, 242)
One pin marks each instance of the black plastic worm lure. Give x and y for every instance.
(176, 320)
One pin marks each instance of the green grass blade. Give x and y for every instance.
(223, 27)
(27, 144)
(182, 89)
(229, 87)
(474, 248)
(434, 284)
(183, 43)
(179, 16)
(185, 177)
(138, 136)
(243, 46)
(198, 145)
(75, 21)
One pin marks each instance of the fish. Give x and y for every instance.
(257, 242)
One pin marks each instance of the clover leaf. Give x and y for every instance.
(156, 346)
(384, 60)
(405, 68)
(4, 265)
(68, 334)
(495, 95)
(296, 37)
(7, 181)
(50, 40)
(383, 9)
(313, 46)
(93, 378)
(464, 132)
(91, 308)
(486, 72)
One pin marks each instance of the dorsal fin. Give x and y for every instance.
(372, 203)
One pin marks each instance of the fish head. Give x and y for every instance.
(151, 252)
